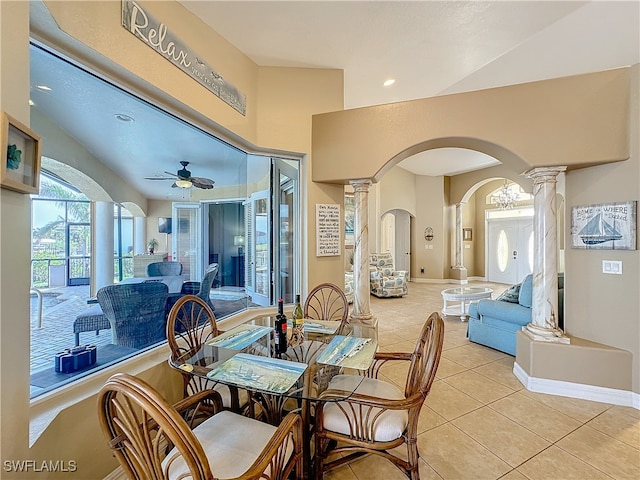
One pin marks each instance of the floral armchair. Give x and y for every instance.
(385, 280)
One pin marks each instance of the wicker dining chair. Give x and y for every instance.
(136, 312)
(190, 324)
(379, 416)
(326, 302)
(153, 441)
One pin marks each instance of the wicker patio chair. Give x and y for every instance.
(152, 441)
(191, 324)
(379, 416)
(136, 312)
(164, 269)
(201, 289)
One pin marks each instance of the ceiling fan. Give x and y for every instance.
(183, 179)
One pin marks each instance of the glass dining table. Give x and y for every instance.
(244, 357)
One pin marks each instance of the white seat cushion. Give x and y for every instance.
(231, 442)
(389, 425)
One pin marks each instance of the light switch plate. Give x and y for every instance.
(612, 267)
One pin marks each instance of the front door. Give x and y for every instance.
(510, 250)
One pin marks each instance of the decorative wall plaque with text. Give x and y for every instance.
(328, 230)
(157, 36)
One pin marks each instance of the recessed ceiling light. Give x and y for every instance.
(124, 118)
(43, 88)
(389, 82)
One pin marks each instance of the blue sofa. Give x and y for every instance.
(494, 323)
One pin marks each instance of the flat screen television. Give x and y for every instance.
(164, 225)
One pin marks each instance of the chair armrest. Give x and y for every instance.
(199, 405)
(381, 358)
(288, 437)
(368, 401)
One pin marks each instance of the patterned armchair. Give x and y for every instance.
(385, 280)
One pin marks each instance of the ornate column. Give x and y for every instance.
(458, 271)
(544, 308)
(360, 312)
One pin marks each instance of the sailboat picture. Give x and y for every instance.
(606, 226)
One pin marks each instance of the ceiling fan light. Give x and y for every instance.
(183, 183)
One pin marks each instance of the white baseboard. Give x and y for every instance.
(434, 280)
(613, 396)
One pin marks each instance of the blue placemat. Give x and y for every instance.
(352, 352)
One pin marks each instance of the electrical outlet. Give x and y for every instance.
(422, 270)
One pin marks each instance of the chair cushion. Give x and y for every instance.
(389, 425)
(231, 442)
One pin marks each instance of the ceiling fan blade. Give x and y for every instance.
(201, 182)
(159, 178)
(173, 175)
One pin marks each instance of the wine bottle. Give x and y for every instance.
(298, 316)
(280, 333)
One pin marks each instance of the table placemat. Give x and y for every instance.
(349, 352)
(259, 373)
(328, 327)
(240, 337)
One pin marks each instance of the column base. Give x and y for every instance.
(459, 273)
(545, 334)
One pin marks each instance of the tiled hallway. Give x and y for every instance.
(480, 423)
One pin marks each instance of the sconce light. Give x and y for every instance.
(428, 234)
(238, 241)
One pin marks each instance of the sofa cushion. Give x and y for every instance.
(511, 295)
(526, 292)
(504, 311)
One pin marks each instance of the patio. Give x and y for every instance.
(61, 305)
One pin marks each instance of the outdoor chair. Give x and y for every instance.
(200, 289)
(191, 324)
(153, 441)
(136, 312)
(326, 302)
(164, 269)
(379, 416)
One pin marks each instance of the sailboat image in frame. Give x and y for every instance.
(609, 226)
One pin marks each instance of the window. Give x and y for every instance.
(248, 224)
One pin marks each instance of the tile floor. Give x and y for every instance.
(480, 423)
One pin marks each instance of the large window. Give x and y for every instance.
(248, 224)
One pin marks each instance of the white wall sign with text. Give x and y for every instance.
(328, 238)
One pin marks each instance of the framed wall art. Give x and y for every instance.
(20, 162)
(605, 226)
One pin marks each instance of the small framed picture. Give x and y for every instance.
(20, 162)
(467, 234)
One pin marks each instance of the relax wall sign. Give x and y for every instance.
(157, 36)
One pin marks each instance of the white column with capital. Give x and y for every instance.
(360, 313)
(544, 308)
(458, 271)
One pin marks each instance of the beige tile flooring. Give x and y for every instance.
(480, 423)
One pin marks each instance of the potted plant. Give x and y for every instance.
(152, 245)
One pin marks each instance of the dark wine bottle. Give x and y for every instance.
(280, 333)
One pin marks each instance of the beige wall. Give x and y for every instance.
(598, 307)
(431, 212)
(519, 125)
(14, 244)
